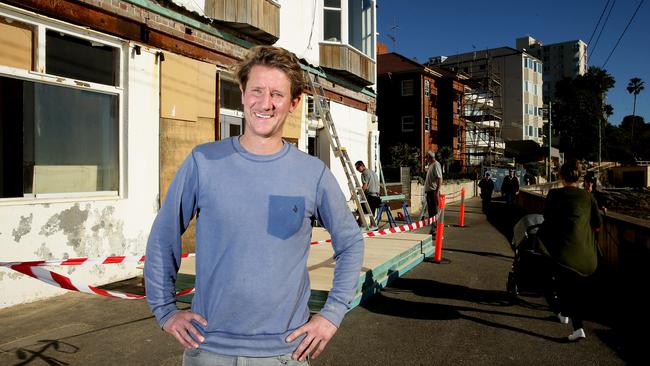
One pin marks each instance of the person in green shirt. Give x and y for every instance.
(571, 219)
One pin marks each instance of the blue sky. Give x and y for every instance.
(431, 28)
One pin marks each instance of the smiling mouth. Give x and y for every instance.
(259, 115)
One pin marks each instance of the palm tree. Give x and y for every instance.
(634, 87)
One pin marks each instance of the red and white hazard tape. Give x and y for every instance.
(34, 268)
(67, 283)
(86, 261)
(453, 195)
(392, 230)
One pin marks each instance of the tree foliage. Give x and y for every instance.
(445, 156)
(579, 110)
(634, 87)
(619, 145)
(405, 155)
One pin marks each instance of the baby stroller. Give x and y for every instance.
(532, 271)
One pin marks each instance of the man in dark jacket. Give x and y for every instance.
(487, 186)
(510, 187)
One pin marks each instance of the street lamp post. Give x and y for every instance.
(550, 123)
(600, 123)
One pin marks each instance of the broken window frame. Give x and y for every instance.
(37, 75)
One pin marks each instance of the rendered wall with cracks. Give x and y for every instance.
(92, 226)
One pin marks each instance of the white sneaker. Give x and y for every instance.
(577, 335)
(563, 319)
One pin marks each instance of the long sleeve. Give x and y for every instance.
(348, 245)
(163, 255)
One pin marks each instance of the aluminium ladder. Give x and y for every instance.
(322, 111)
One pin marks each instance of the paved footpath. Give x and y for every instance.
(453, 313)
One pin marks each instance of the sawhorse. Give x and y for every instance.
(384, 207)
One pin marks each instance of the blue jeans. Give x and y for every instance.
(198, 357)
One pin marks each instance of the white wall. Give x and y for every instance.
(301, 28)
(352, 128)
(49, 229)
(301, 31)
(451, 190)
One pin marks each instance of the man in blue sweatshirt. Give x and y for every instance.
(253, 197)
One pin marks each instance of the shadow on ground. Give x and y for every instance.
(388, 303)
(504, 216)
(606, 301)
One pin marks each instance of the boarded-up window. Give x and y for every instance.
(16, 41)
(188, 108)
(187, 88)
(292, 128)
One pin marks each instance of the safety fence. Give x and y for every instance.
(36, 268)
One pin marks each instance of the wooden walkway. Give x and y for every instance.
(385, 259)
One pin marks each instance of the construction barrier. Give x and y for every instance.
(437, 254)
(393, 230)
(461, 219)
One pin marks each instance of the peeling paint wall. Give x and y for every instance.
(92, 227)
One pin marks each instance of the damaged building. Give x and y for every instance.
(101, 100)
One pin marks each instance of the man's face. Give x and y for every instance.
(267, 101)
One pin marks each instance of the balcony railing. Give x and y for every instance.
(347, 61)
(259, 19)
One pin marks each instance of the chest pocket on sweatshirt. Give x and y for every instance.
(286, 214)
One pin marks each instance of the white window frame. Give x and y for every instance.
(404, 121)
(345, 37)
(40, 26)
(405, 88)
(341, 22)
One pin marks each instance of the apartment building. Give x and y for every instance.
(419, 106)
(520, 79)
(102, 100)
(561, 60)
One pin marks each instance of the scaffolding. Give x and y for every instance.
(483, 124)
(482, 113)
